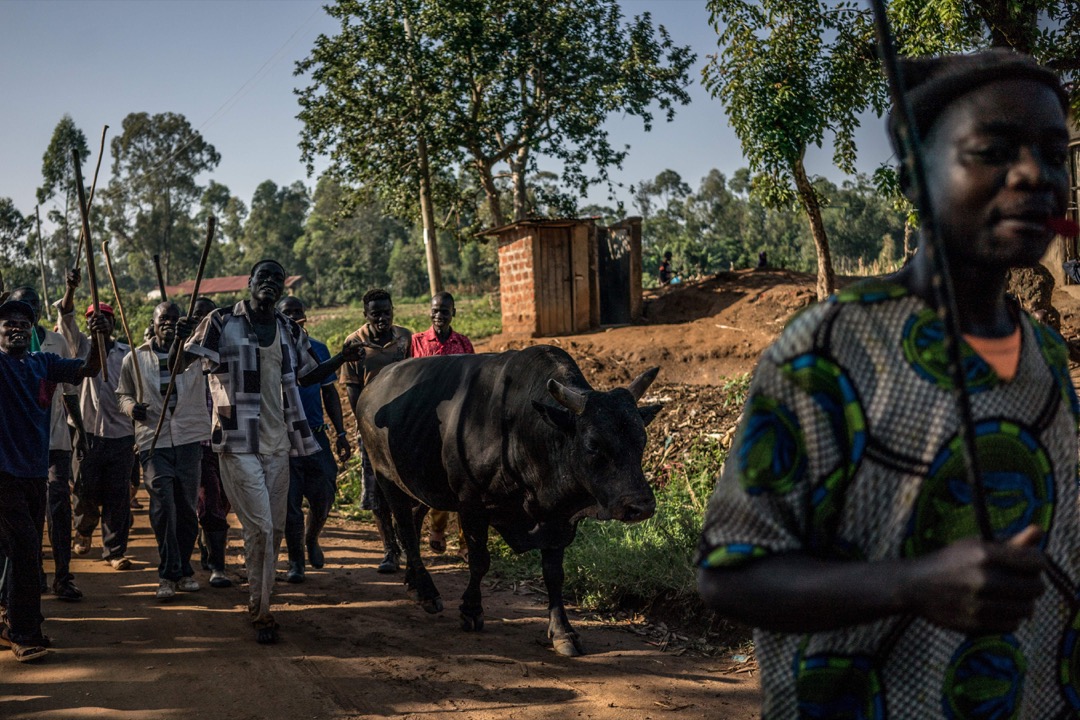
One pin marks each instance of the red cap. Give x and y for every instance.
(103, 307)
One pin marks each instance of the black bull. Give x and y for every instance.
(518, 441)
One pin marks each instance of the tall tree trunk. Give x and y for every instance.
(518, 166)
(909, 233)
(427, 216)
(491, 190)
(826, 281)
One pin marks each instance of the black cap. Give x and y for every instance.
(16, 307)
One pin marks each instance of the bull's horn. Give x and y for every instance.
(642, 382)
(571, 399)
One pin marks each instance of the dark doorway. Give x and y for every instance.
(613, 260)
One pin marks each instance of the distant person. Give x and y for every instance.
(27, 383)
(171, 468)
(103, 477)
(441, 339)
(256, 358)
(381, 343)
(313, 477)
(665, 273)
(762, 261)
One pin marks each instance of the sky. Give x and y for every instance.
(228, 68)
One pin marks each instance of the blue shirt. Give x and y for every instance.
(26, 391)
(311, 396)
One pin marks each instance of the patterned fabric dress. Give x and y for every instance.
(848, 449)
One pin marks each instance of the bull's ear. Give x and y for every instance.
(648, 412)
(557, 417)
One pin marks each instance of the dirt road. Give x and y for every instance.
(353, 646)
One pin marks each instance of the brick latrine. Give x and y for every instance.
(517, 284)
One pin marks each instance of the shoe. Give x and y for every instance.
(295, 574)
(315, 554)
(29, 652)
(219, 579)
(166, 590)
(187, 584)
(266, 635)
(120, 563)
(82, 544)
(390, 563)
(67, 590)
(5, 638)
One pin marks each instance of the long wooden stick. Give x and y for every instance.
(41, 262)
(191, 311)
(123, 318)
(160, 279)
(93, 186)
(90, 272)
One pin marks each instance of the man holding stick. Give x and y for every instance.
(104, 472)
(256, 358)
(28, 380)
(171, 468)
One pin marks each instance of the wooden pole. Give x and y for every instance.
(41, 262)
(93, 186)
(191, 311)
(160, 279)
(123, 318)
(90, 272)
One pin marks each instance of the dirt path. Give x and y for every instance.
(353, 646)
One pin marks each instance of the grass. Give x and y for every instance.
(477, 318)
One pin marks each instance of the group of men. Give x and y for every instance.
(226, 411)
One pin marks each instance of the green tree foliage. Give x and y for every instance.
(226, 253)
(14, 248)
(157, 160)
(788, 72)
(275, 223)
(58, 187)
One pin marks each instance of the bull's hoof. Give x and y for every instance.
(568, 645)
(432, 605)
(472, 623)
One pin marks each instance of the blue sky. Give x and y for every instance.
(227, 66)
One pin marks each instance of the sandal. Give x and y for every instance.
(29, 652)
(437, 544)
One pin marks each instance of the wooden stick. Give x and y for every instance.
(90, 272)
(160, 279)
(123, 318)
(93, 186)
(191, 311)
(41, 262)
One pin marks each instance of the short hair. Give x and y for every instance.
(25, 290)
(291, 298)
(933, 83)
(204, 298)
(264, 262)
(376, 294)
(442, 295)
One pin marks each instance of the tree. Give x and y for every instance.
(13, 229)
(58, 183)
(230, 211)
(156, 162)
(275, 223)
(789, 71)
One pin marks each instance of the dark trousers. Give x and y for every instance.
(59, 498)
(22, 520)
(313, 477)
(213, 508)
(104, 479)
(171, 477)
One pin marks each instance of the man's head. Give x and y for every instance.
(166, 315)
(442, 311)
(995, 143)
(107, 312)
(379, 310)
(667, 256)
(267, 282)
(293, 309)
(203, 306)
(29, 296)
(16, 319)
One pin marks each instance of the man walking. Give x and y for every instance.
(171, 466)
(255, 358)
(104, 474)
(313, 477)
(28, 380)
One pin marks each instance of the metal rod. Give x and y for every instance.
(123, 318)
(191, 311)
(90, 272)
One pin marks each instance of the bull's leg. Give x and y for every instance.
(417, 577)
(475, 528)
(562, 636)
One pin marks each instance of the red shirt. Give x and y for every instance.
(427, 343)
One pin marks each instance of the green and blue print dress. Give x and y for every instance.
(848, 449)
